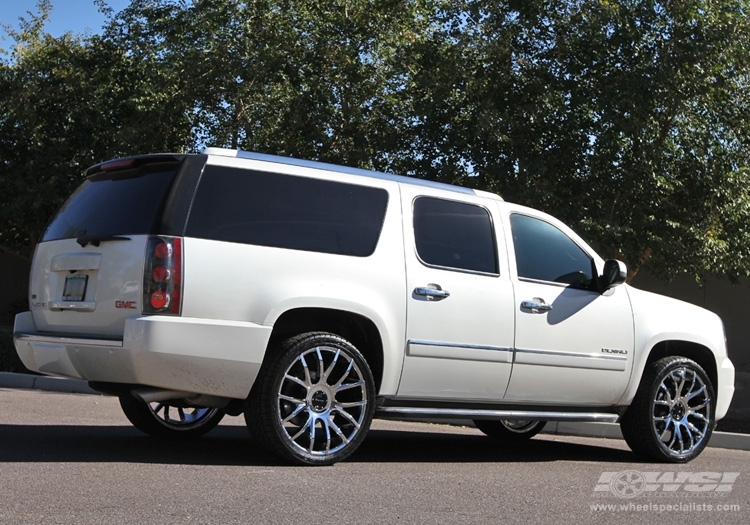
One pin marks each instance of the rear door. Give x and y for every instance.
(460, 305)
(87, 274)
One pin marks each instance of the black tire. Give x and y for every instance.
(170, 419)
(313, 401)
(510, 429)
(672, 415)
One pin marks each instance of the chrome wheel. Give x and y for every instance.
(321, 401)
(672, 415)
(316, 401)
(519, 426)
(170, 419)
(182, 418)
(510, 429)
(682, 411)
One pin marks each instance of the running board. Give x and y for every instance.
(461, 413)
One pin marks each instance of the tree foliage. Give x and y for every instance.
(628, 120)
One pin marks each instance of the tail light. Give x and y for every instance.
(162, 276)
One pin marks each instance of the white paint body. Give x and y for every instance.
(476, 346)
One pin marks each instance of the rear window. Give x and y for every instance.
(125, 202)
(283, 211)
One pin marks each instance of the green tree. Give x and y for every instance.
(65, 104)
(627, 119)
(320, 80)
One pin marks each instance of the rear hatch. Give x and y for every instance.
(87, 274)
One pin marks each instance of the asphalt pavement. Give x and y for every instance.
(728, 440)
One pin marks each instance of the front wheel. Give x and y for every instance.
(313, 402)
(510, 429)
(170, 419)
(672, 415)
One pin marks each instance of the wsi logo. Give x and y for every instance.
(631, 483)
(129, 305)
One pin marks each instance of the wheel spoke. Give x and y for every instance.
(695, 430)
(299, 408)
(308, 379)
(311, 426)
(327, 425)
(296, 380)
(700, 407)
(348, 416)
(330, 368)
(346, 373)
(292, 399)
(338, 431)
(341, 388)
(698, 392)
(352, 404)
(301, 431)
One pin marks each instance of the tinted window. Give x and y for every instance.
(545, 253)
(120, 203)
(454, 235)
(283, 211)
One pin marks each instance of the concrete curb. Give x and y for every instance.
(595, 430)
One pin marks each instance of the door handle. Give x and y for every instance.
(432, 291)
(536, 305)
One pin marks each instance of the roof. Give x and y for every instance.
(345, 169)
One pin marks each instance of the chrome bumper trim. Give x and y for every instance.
(65, 340)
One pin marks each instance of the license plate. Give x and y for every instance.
(75, 287)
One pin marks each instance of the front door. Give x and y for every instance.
(573, 344)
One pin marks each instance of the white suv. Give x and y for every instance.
(313, 297)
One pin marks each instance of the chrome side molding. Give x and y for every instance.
(469, 413)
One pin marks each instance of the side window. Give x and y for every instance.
(544, 253)
(283, 211)
(454, 235)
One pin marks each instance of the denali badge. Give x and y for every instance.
(614, 351)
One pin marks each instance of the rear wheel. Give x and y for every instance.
(314, 400)
(170, 419)
(510, 429)
(672, 415)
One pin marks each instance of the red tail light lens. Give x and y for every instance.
(162, 276)
(159, 300)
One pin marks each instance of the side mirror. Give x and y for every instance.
(615, 273)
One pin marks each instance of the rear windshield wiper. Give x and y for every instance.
(94, 240)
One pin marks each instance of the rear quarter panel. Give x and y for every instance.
(247, 283)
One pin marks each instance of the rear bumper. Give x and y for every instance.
(203, 356)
